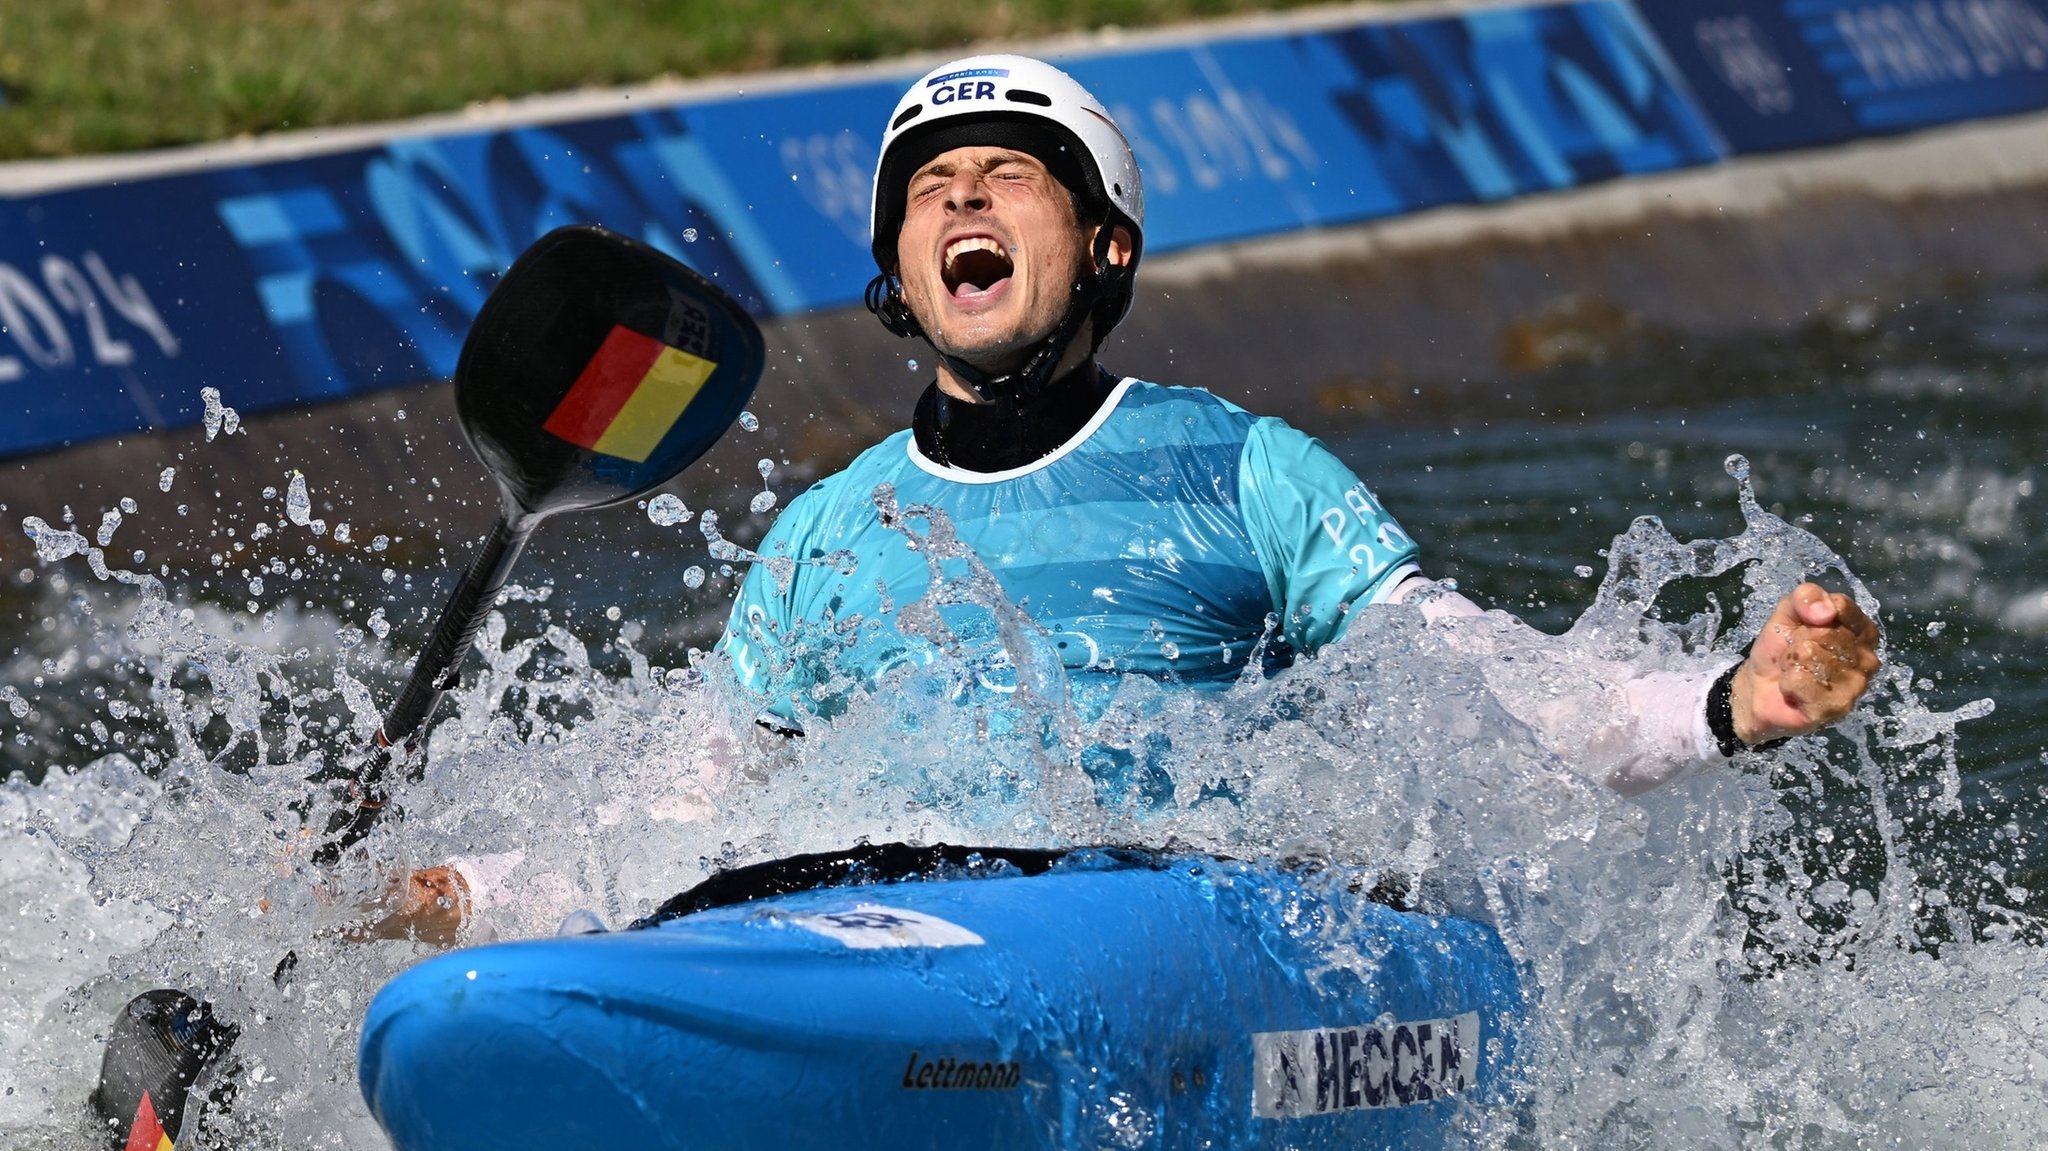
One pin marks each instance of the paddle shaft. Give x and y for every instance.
(437, 671)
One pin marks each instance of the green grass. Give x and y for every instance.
(82, 76)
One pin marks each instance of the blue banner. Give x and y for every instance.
(1776, 74)
(293, 282)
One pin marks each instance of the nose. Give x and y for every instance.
(966, 192)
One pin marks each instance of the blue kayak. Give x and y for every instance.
(1107, 1000)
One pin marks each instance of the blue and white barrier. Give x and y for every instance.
(292, 282)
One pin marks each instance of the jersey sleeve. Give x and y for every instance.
(1324, 543)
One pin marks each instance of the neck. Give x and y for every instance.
(1007, 433)
(1076, 349)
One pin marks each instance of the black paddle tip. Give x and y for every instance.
(161, 1043)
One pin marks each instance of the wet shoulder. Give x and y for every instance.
(849, 492)
(1163, 413)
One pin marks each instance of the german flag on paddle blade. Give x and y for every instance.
(629, 395)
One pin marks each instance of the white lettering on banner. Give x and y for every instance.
(131, 303)
(68, 285)
(1326, 1070)
(1741, 55)
(36, 325)
(1916, 45)
(20, 303)
(834, 173)
(1233, 135)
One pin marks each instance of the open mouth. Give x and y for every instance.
(974, 266)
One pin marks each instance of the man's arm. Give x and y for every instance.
(1329, 548)
(1806, 671)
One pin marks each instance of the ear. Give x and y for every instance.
(1119, 246)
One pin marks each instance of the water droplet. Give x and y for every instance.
(52, 544)
(913, 365)
(108, 523)
(298, 504)
(667, 510)
(762, 504)
(765, 467)
(389, 575)
(693, 576)
(613, 613)
(341, 532)
(1170, 650)
(1583, 571)
(163, 482)
(255, 585)
(1937, 627)
(689, 235)
(128, 505)
(750, 422)
(378, 625)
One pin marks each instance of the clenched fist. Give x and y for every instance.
(1808, 668)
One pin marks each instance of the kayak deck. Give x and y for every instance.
(1196, 1003)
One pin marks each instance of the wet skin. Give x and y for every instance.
(989, 254)
(1808, 667)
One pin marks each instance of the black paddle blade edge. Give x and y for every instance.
(598, 368)
(160, 1045)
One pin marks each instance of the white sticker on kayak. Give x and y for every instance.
(870, 925)
(1331, 1069)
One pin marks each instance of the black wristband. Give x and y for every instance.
(1721, 716)
(1721, 712)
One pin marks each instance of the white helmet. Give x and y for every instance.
(1010, 102)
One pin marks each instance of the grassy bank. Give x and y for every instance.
(111, 75)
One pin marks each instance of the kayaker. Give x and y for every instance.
(1142, 528)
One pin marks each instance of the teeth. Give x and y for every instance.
(960, 247)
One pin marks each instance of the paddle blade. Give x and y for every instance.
(599, 368)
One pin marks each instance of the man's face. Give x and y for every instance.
(989, 253)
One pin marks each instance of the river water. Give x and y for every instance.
(1837, 945)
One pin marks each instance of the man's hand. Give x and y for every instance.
(431, 905)
(1808, 668)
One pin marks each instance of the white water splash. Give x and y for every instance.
(1710, 965)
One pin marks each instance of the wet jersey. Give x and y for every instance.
(1173, 535)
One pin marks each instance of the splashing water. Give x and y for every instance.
(667, 510)
(1689, 953)
(218, 418)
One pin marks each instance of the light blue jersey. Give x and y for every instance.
(1173, 535)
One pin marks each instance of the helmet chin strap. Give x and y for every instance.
(1023, 384)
